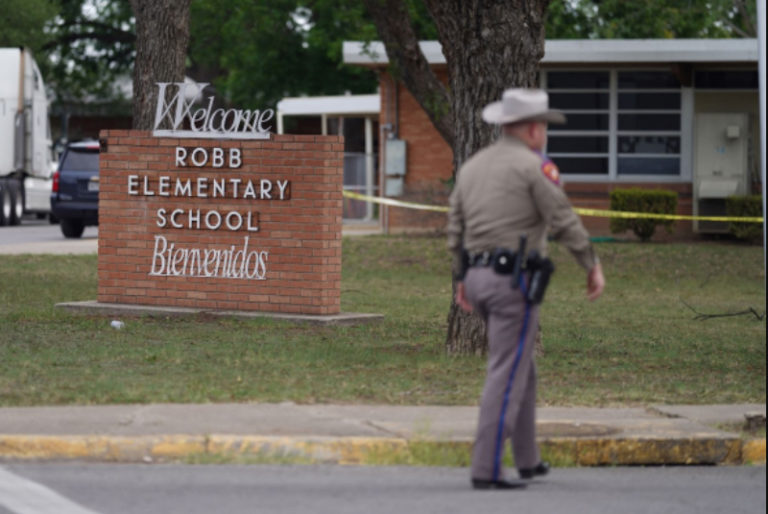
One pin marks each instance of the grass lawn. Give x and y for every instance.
(638, 344)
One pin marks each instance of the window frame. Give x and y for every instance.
(685, 132)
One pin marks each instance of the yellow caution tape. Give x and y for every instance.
(394, 203)
(578, 210)
(650, 215)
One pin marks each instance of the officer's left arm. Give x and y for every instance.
(564, 223)
(595, 282)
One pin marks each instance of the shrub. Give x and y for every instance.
(745, 206)
(656, 201)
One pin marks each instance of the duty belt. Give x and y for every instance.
(537, 269)
(501, 259)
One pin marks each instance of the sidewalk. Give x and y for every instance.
(365, 434)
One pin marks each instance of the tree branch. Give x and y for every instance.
(750, 30)
(93, 24)
(106, 37)
(79, 29)
(408, 63)
(735, 28)
(703, 317)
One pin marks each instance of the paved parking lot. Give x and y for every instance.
(39, 236)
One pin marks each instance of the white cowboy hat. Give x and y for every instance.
(522, 105)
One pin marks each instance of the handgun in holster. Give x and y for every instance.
(519, 265)
(540, 269)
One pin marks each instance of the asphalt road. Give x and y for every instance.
(39, 236)
(169, 489)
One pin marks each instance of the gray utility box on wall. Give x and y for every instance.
(394, 167)
(720, 166)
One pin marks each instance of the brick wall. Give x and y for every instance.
(293, 254)
(403, 220)
(429, 160)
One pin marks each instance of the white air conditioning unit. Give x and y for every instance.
(720, 166)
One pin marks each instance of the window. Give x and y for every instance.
(622, 123)
(648, 127)
(726, 79)
(581, 146)
(647, 80)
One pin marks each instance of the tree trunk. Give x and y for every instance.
(489, 45)
(162, 36)
(466, 332)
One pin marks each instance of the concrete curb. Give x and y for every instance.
(753, 451)
(647, 451)
(574, 451)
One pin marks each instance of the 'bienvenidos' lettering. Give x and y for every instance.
(172, 260)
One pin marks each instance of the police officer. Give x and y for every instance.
(507, 197)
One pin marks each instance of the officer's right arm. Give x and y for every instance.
(455, 231)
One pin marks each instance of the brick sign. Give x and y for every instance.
(250, 224)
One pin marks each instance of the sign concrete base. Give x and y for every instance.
(119, 309)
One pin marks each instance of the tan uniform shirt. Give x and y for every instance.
(501, 193)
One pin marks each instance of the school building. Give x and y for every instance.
(677, 114)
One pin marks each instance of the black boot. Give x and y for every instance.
(540, 470)
(496, 484)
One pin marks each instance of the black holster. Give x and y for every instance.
(540, 269)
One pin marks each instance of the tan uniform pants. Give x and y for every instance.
(508, 405)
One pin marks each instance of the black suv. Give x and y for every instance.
(75, 196)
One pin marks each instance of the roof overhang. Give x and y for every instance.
(595, 51)
(330, 105)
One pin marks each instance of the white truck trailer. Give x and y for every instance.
(26, 173)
